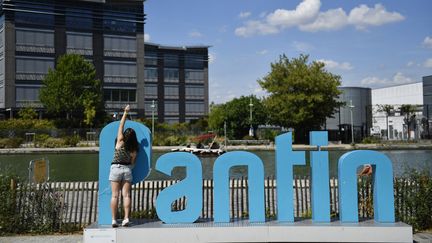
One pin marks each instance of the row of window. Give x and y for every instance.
(172, 107)
(30, 13)
(173, 60)
(173, 74)
(172, 91)
(123, 95)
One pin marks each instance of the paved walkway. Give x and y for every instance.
(76, 238)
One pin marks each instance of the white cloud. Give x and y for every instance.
(254, 27)
(410, 64)
(398, 78)
(363, 16)
(146, 37)
(336, 65)
(304, 13)
(428, 63)
(244, 15)
(333, 19)
(307, 17)
(302, 46)
(427, 42)
(195, 34)
(262, 52)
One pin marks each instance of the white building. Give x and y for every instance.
(396, 96)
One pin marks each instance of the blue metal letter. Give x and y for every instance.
(285, 159)
(383, 197)
(106, 154)
(320, 179)
(191, 187)
(221, 188)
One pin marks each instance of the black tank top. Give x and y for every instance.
(121, 156)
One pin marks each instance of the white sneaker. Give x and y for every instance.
(114, 223)
(126, 223)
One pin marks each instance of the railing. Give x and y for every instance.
(79, 200)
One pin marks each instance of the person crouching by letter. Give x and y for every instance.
(126, 149)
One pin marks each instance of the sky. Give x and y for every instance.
(368, 43)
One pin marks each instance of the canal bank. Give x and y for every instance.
(297, 147)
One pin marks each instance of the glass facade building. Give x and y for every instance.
(110, 35)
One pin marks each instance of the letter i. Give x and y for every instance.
(320, 199)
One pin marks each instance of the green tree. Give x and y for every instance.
(388, 110)
(236, 113)
(72, 91)
(301, 94)
(27, 113)
(408, 111)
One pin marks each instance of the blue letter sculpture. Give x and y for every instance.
(221, 169)
(383, 198)
(285, 159)
(190, 187)
(320, 199)
(106, 154)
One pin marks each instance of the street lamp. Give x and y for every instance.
(251, 131)
(153, 110)
(352, 122)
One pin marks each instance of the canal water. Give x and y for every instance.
(84, 167)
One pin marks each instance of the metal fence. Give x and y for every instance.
(79, 200)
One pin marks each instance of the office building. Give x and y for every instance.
(356, 112)
(109, 34)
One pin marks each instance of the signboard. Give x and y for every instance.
(39, 170)
(286, 159)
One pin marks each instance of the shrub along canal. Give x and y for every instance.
(84, 166)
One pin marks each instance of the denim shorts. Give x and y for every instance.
(120, 173)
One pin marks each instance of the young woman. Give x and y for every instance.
(126, 149)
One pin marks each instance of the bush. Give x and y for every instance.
(418, 197)
(72, 140)
(10, 142)
(28, 208)
(53, 143)
(14, 124)
(369, 140)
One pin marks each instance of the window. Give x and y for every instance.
(31, 37)
(171, 75)
(171, 108)
(195, 61)
(119, 43)
(33, 13)
(119, 21)
(193, 107)
(33, 66)
(171, 60)
(150, 74)
(79, 18)
(122, 95)
(27, 93)
(194, 76)
(117, 69)
(150, 90)
(171, 91)
(150, 58)
(79, 41)
(196, 92)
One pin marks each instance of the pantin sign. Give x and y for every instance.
(286, 158)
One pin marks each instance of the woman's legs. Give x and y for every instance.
(115, 188)
(126, 198)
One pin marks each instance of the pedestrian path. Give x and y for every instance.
(423, 237)
(75, 238)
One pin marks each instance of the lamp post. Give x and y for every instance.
(153, 110)
(251, 131)
(352, 122)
